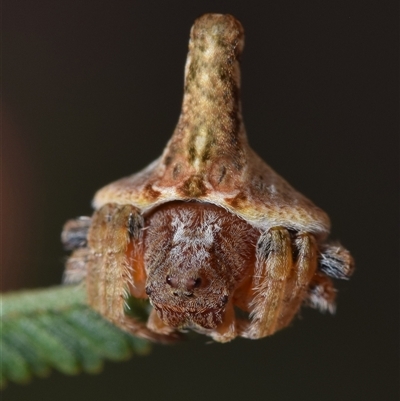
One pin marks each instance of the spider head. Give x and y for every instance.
(195, 256)
(190, 295)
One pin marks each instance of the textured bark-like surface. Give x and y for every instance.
(208, 157)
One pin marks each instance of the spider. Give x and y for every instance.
(215, 239)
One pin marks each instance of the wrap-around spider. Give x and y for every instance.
(209, 233)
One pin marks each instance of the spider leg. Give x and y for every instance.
(74, 238)
(227, 331)
(156, 325)
(303, 272)
(321, 293)
(74, 233)
(113, 231)
(336, 261)
(273, 268)
(76, 266)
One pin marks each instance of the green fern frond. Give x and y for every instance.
(54, 328)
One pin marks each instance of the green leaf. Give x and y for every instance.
(54, 328)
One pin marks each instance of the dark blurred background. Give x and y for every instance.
(91, 93)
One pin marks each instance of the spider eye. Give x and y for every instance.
(193, 283)
(172, 281)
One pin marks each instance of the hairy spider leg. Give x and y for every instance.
(114, 229)
(304, 269)
(272, 271)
